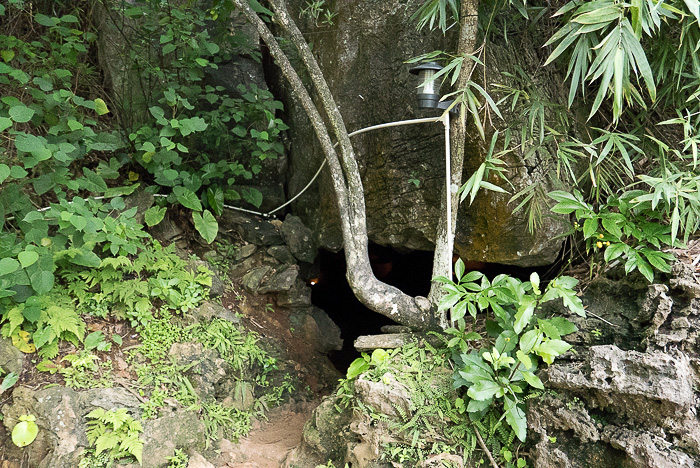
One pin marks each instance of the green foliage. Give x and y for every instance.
(25, 431)
(433, 420)
(114, 433)
(628, 227)
(320, 12)
(249, 363)
(179, 460)
(196, 141)
(83, 371)
(8, 381)
(501, 373)
(58, 150)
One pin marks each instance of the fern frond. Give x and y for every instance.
(65, 321)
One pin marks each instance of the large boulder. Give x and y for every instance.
(363, 59)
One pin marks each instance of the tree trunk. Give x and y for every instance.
(444, 241)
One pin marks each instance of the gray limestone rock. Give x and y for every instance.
(282, 253)
(163, 435)
(297, 296)
(11, 358)
(299, 238)
(647, 387)
(208, 311)
(254, 278)
(244, 251)
(645, 450)
(252, 229)
(282, 279)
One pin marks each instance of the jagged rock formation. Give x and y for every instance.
(628, 397)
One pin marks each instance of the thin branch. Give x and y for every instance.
(485, 448)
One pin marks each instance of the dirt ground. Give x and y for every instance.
(270, 441)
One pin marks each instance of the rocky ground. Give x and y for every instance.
(627, 397)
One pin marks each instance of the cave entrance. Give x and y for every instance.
(410, 272)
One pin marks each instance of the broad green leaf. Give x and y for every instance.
(154, 215)
(475, 369)
(93, 339)
(657, 260)
(379, 356)
(27, 258)
(645, 269)
(42, 281)
(532, 379)
(25, 431)
(549, 329)
(459, 269)
(590, 227)
(524, 359)
(564, 326)
(477, 406)
(515, 417)
(9, 380)
(483, 390)
(87, 259)
(29, 143)
(187, 198)
(357, 367)
(8, 265)
(529, 340)
(206, 225)
(5, 123)
(615, 250)
(252, 196)
(524, 314)
(101, 107)
(21, 113)
(215, 197)
(4, 172)
(47, 21)
(506, 341)
(43, 336)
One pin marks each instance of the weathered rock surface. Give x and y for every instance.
(624, 407)
(647, 387)
(11, 358)
(60, 414)
(368, 44)
(299, 238)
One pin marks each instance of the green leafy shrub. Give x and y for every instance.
(196, 141)
(501, 372)
(630, 227)
(84, 371)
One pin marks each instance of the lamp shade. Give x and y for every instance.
(428, 89)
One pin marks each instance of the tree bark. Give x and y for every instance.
(376, 295)
(444, 241)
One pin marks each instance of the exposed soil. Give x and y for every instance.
(269, 442)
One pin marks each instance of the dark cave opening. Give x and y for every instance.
(410, 271)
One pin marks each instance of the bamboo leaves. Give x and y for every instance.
(605, 48)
